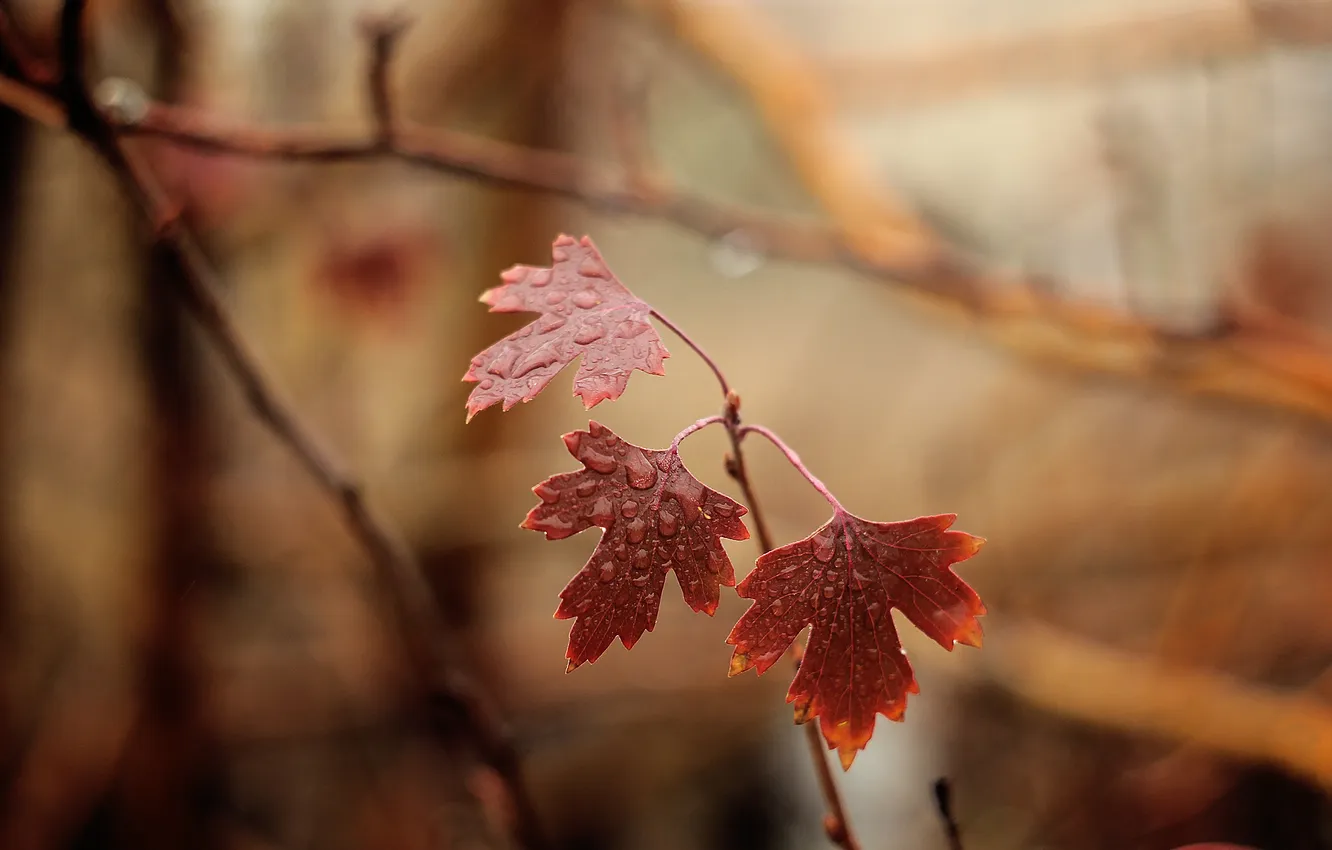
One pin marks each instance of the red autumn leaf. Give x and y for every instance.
(842, 580)
(584, 310)
(657, 518)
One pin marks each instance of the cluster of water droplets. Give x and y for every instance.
(584, 310)
(647, 502)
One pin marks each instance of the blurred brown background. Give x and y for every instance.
(196, 655)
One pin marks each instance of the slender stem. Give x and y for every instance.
(453, 700)
(795, 461)
(835, 822)
(383, 34)
(943, 803)
(697, 426)
(698, 349)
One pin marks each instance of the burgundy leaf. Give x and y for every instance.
(843, 580)
(657, 518)
(584, 311)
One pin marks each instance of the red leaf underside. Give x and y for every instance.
(843, 580)
(657, 518)
(586, 311)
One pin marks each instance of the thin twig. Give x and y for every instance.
(383, 35)
(795, 461)
(1240, 358)
(835, 822)
(697, 349)
(943, 803)
(454, 695)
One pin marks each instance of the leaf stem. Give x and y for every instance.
(697, 426)
(794, 460)
(698, 349)
(835, 822)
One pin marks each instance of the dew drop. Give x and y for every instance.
(822, 544)
(556, 296)
(872, 652)
(559, 256)
(583, 606)
(723, 509)
(550, 322)
(650, 599)
(502, 366)
(828, 591)
(601, 513)
(642, 559)
(547, 492)
(775, 589)
(586, 488)
(608, 572)
(639, 471)
(737, 254)
(778, 607)
(556, 527)
(680, 553)
(589, 267)
(640, 580)
(715, 562)
(486, 384)
(690, 496)
(540, 277)
(667, 565)
(589, 334)
(622, 552)
(637, 531)
(629, 509)
(667, 524)
(818, 574)
(586, 299)
(596, 461)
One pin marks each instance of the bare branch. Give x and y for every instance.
(454, 696)
(1117, 689)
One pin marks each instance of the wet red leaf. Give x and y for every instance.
(657, 518)
(843, 580)
(586, 311)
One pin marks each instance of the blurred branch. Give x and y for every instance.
(69, 761)
(1245, 356)
(1081, 54)
(786, 88)
(455, 700)
(1101, 685)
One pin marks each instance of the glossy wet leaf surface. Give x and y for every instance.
(657, 518)
(843, 580)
